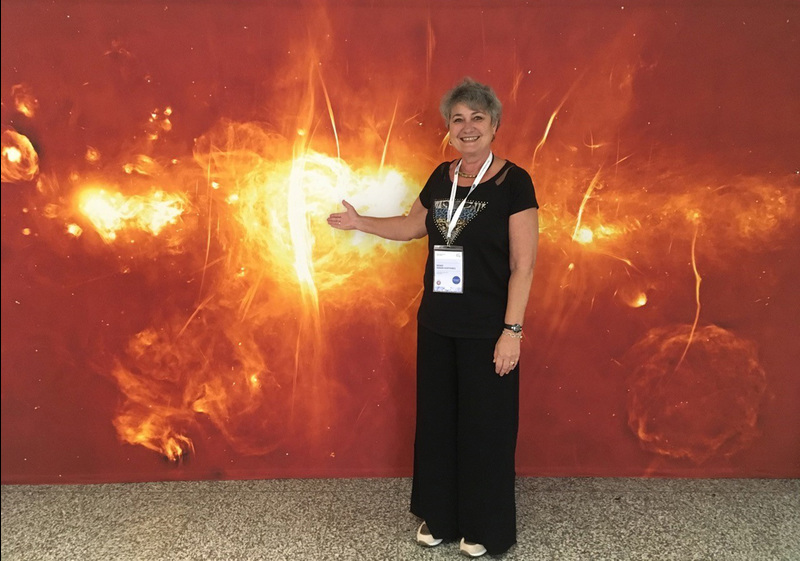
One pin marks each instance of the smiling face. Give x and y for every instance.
(471, 131)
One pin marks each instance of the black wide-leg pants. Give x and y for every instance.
(466, 437)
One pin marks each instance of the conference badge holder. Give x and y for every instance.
(448, 269)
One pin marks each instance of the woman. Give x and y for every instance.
(480, 215)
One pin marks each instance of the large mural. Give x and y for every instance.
(174, 305)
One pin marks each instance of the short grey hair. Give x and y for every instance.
(476, 96)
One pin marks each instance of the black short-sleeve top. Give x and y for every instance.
(482, 232)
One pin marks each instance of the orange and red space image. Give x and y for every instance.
(174, 305)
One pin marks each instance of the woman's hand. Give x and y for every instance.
(506, 353)
(404, 227)
(344, 220)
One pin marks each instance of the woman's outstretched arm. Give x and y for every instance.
(402, 228)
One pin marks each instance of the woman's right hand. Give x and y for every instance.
(344, 220)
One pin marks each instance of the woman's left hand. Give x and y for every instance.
(506, 354)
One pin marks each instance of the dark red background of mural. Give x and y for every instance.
(676, 125)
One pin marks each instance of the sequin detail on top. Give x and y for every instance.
(471, 210)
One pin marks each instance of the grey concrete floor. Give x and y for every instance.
(558, 519)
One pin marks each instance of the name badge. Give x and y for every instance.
(448, 269)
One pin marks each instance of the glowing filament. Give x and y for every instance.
(299, 229)
(579, 234)
(697, 280)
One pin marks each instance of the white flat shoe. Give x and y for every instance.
(471, 549)
(424, 536)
